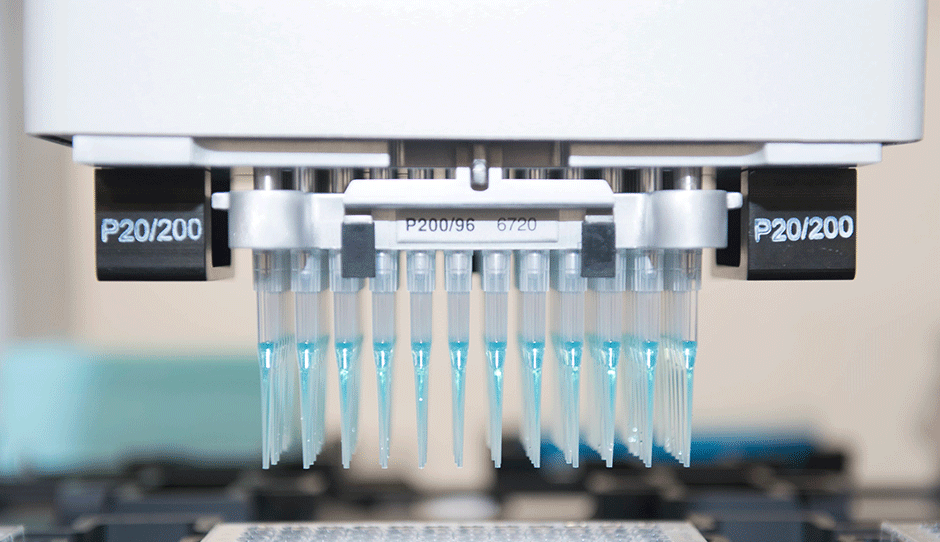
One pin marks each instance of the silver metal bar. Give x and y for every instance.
(479, 171)
(535, 173)
(651, 179)
(614, 177)
(688, 178)
(268, 178)
(305, 179)
(340, 179)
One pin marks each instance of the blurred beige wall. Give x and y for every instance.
(859, 360)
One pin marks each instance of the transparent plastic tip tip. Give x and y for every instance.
(532, 272)
(495, 279)
(458, 267)
(383, 286)
(604, 336)
(459, 349)
(420, 357)
(532, 347)
(272, 283)
(674, 377)
(641, 349)
(310, 279)
(421, 278)
(567, 317)
(347, 331)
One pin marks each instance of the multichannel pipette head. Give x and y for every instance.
(607, 291)
(517, 160)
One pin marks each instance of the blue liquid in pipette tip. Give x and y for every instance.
(458, 363)
(421, 355)
(267, 360)
(689, 350)
(496, 359)
(569, 355)
(347, 361)
(312, 387)
(384, 353)
(533, 353)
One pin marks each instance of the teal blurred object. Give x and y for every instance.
(65, 409)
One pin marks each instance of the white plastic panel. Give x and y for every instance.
(570, 70)
(185, 151)
(768, 154)
(457, 193)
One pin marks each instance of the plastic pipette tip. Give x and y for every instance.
(277, 384)
(266, 360)
(532, 355)
(421, 355)
(570, 354)
(688, 354)
(310, 358)
(384, 354)
(674, 446)
(320, 433)
(631, 381)
(288, 393)
(458, 364)
(647, 399)
(640, 380)
(665, 398)
(347, 360)
(496, 358)
(660, 401)
(277, 380)
(307, 407)
(608, 356)
(589, 397)
(674, 383)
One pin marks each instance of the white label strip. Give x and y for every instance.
(476, 227)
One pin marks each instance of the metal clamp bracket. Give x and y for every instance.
(438, 214)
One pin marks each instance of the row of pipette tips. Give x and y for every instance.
(655, 402)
